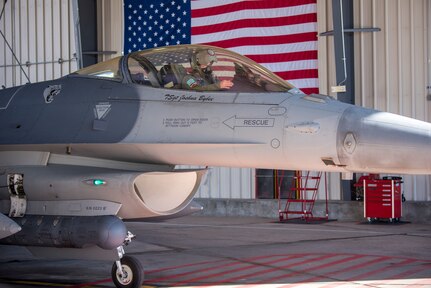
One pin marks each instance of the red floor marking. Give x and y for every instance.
(348, 268)
(183, 266)
(348, 259)
(239, 262)
(249, 266)
(366, 274)
(296, 273)
(266, 271)
(407, 273)
(212, 261)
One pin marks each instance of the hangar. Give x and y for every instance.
(385, 45)
(374, 54)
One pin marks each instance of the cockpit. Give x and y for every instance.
(190, 67)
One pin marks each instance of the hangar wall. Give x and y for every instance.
(391, 66)
(41, 33)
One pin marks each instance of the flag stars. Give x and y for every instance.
(161, 23)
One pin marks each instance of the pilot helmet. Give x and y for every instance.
(205, 56)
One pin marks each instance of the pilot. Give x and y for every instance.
(202, 77)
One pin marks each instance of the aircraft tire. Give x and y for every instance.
(134, 273)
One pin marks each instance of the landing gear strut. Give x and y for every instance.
(127, 272)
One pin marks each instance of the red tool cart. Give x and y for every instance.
(382, 198)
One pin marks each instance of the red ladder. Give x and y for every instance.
(302, 198)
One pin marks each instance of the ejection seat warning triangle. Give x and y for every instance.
(101, 110)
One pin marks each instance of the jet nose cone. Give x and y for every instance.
(380, 142)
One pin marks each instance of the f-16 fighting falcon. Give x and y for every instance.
(80, 154)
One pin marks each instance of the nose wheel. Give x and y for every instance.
(127, 272)
(130, 274)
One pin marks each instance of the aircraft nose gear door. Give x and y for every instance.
(127, 272)
(18, 199)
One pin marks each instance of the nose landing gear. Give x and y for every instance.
(127, 272)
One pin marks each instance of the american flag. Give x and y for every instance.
(279, 34)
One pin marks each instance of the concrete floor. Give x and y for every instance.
(248, 252)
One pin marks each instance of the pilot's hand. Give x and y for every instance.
(226, 84)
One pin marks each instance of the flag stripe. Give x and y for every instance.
(293, 56)
(248, 23)
(281, 39)
(291, 65)
(267, 14)
(237, 6)
(276, 49)
(257, 32)
(298, 74)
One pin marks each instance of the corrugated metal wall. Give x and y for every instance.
(391, 66)
(232, 183)
(41, 33)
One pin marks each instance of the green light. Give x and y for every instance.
(98, 182)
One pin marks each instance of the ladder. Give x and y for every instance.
(300, 203)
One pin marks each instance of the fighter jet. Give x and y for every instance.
(80, 154)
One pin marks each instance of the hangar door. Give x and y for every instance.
(42, 36)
